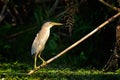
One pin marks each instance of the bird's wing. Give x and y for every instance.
(40, 41)
(38, 44)
(34, 45)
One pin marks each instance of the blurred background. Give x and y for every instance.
(21, 20)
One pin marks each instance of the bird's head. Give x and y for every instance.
(51, 24)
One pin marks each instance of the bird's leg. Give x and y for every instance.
(35, 60)
(43, 61)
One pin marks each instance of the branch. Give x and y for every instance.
(76, 43)
(18, 15)
(112, 7)
(60, 14)
(3, 10)
(54, 7)
(19, 33)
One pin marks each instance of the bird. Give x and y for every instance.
(40, 40)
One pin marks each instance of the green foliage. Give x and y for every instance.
(82, 56)
(92, 52)
(39, 15)
(17, 70)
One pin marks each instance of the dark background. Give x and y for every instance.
(23, 19)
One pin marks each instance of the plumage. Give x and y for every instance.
(41, 39)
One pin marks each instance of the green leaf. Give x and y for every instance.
(6, 46)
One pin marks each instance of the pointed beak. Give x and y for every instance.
(54, 23)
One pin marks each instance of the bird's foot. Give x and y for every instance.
(44, 63)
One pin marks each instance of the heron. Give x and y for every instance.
(40, 40)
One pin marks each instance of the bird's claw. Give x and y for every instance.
(44, 63)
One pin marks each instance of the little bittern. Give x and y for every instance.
(41, 39)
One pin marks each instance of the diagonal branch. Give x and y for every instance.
(111, 6)
(76, 43)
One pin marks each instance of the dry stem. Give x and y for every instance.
(111, 6)
(76, 43)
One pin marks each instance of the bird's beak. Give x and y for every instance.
(54, 23)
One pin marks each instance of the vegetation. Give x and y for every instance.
(16, 71)
(21, 20)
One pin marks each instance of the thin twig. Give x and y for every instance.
(54, 7)
(60, 14)
(111, 6)
(76, 43)
(18, 33)
(107, 64)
